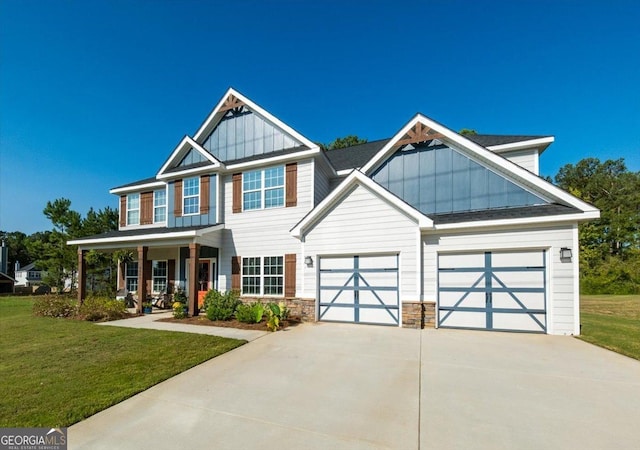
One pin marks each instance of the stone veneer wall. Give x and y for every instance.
(418, 314)
(304, 308)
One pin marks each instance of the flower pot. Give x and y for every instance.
(147, 309)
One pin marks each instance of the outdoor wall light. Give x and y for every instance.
(565, 253)
(308, 260)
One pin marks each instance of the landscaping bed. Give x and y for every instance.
(232, 323)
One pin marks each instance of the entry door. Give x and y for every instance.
(206, 277)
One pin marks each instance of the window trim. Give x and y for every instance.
(185, 197)
(156, 207)
(262, 275)
(129, 209)
(263, 189)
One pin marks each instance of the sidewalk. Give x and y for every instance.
(149, 321)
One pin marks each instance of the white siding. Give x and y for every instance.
(263, 232)
(362, 223)
(527, 159)
(562, 295)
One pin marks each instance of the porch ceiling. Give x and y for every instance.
(149, 237)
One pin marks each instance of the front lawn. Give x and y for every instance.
(55, 372)
(612, 322)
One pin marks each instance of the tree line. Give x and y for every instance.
(609, 246)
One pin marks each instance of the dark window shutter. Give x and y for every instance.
(123, 210)
(204, 194)
(177, 199)
(235, 273)
(291, 184)
(146, 208)
(237, 192)
(290, 275)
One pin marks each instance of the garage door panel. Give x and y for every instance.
(506, 289)
(518, 321)
(337, 314)
(359, 288)
(462, 319)
(528, 299)
(456, 261)
(452, 299)
(378, 316)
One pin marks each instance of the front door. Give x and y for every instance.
(206, 277)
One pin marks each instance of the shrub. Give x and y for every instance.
(55, 306)
(250, 313)
(179, 310)
(221, 306)
(102, 308)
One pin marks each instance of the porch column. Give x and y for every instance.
(142, 276)
(194, 251)
(82, 273)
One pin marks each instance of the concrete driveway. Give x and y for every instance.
(331, 386)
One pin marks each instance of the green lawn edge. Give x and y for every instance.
(56, 372)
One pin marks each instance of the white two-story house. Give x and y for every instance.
(429, 226)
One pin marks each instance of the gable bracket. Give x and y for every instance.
(231, 103)
(419, 133)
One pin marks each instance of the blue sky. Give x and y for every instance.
(95, 94)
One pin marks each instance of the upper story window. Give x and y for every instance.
(160, 206)
(133, 209)
(263, 188)
(191, 196)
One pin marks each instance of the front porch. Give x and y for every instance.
(158, 263)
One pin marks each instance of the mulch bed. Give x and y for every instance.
(202, 320)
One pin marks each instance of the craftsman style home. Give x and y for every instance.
(426, 227)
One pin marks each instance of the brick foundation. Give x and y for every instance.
(418, 314)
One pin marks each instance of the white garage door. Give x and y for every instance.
(359, 289)
(493, 290)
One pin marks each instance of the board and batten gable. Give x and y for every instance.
(364, 224)
(321, 181)
(264, 232)
(207, 218)
(562, 290)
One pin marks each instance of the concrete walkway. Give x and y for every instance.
(331, 386)
(150, 321)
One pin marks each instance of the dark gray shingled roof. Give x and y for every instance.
(143, 232)
(489, 140)
(551, 209)
(136, 183)
(358, 155)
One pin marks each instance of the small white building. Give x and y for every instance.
(28, 275)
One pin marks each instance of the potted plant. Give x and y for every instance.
(147, 307)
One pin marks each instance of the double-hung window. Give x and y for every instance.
(263, 188)
(159, 206)
(131, 276)
(133, 209)
(191, 196)
(262, 275)
(159, 275)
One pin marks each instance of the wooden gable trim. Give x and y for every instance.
(177, 199)
(290, 275)
(205, 194)
(123, 210)
(231, 103)
(291, 185)
(419, 133)
(237, 192)
(146, 208)
(236, 274)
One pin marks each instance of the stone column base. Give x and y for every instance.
(418, 314)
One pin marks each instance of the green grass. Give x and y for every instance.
(612, 322)
(55, 372)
